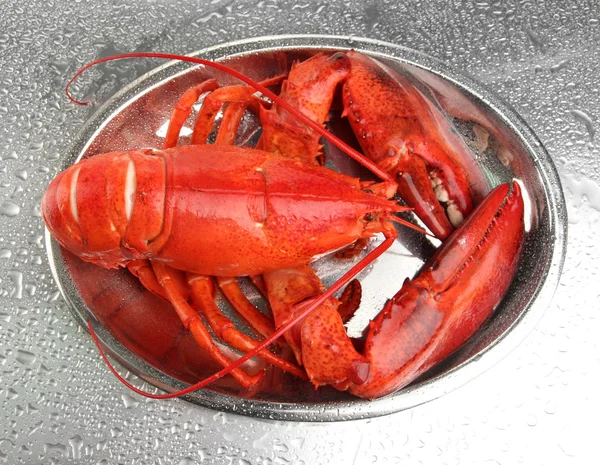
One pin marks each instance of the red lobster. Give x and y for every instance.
(218, 210)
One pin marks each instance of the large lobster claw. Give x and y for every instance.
(408, 136)
(458, 289)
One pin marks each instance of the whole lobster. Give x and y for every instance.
(219, 210)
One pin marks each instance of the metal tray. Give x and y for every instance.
(136, 117)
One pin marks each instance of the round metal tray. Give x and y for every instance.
(137, 116)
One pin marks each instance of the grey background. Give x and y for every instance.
(59, 404)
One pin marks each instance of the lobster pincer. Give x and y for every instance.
(408, 136)
(456, 292)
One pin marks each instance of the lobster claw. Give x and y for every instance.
(408, 136)
(310, 87)
(458, 289)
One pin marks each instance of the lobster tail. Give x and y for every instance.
(89, 208)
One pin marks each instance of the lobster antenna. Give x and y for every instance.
(352, 153)
(306, 308)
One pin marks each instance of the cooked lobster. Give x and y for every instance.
(178, 216)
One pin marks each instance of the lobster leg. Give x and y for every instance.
(257, 319)
(212, 105)
(192, 322)
(183, 108)
(202, 294)
(259, 282)
(232, 117)
(239, 97)
(142, 269)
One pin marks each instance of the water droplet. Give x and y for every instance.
(557, 67)
(37, 240)
(11, 156)
(535, 40)
(550, 408)
(36, 210)
(76, 444)
(25, 357)
(9, 208)
(17, 279)
(129, 401)
(586, 120)
(17, 191)
(187, 461)
(35, 428)
(220, 417)
(30, 288)
(35, 146)
(280, 446)
(580, 189)
(53, 448)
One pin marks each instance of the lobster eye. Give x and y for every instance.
(370, 217)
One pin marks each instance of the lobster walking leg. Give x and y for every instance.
(238, 95)
(142, 269)
(202, 294)
(183, 108)
(192, 321)
(257, 319)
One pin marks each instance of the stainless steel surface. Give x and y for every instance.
(137, 117)
(59, 403)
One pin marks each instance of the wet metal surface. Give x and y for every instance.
(59, 403)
